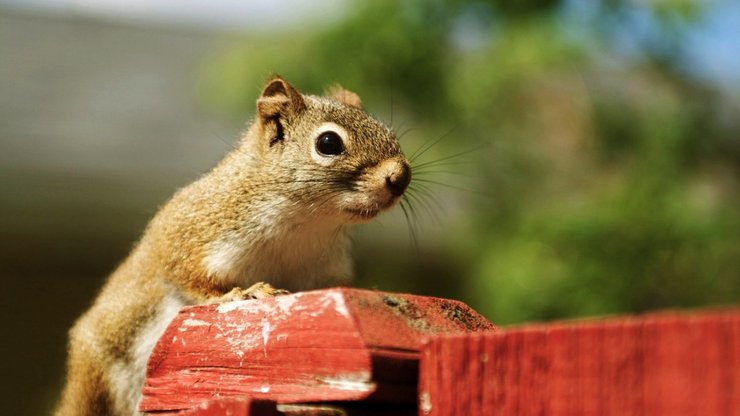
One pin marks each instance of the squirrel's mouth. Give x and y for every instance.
(367, 213)
(363, 214)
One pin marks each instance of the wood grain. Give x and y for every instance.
(658, 364)
(322, 346)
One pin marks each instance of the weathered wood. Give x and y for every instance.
(322, 346)
(658, 364)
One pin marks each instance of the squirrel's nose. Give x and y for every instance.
(398, 179)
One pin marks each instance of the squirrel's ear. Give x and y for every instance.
(279, 98)
(347, 97)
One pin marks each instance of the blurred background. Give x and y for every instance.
(572, 157)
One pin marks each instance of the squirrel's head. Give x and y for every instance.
(327, 152)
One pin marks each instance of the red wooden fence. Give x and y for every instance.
(358, 352)
(658, 364)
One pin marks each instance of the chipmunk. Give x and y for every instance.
(276, 209)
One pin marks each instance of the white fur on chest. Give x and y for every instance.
(285, 254)
(127, 377)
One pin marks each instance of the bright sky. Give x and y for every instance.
(715, 49)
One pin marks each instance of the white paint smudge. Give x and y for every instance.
(285, 303)
(243, 334)
(349, 382)
(339, 306)
(242, 341)
(265, 334)
(227, 307)
(425, 402)
(195, 322)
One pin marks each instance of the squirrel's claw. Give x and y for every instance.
(259, 290)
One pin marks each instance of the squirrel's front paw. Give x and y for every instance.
(259, 290)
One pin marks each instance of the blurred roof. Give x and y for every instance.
(214, 14)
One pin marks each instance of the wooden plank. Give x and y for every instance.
(252, 407)
(658, 364)
(322, 346)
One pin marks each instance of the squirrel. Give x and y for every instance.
(274, 213)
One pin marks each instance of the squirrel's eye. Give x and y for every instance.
(329, 143)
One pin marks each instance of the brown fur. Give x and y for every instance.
(272, 210)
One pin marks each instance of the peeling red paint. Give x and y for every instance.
(330, 345)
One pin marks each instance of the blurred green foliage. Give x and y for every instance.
(606, 177)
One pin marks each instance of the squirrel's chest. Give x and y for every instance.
(289, 257)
